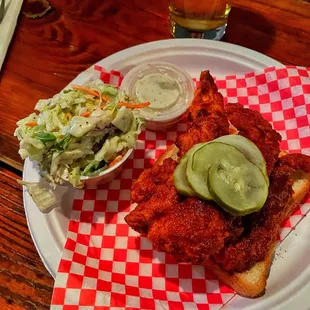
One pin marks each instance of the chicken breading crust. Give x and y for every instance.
(149, 179)
(253, 126)
(206, 116)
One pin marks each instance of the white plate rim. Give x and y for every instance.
(168, 43)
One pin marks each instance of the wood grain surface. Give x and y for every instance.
(24, 281)
(47, 53)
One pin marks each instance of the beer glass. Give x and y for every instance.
(199, 18)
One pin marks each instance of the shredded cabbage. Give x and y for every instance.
(67, 144)
(44, 198)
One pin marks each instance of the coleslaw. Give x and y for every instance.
(79, 132)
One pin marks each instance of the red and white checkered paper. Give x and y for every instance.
(106, 265)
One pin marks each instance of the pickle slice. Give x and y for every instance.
(237, 185)
(248, 149)
(179, 176)
(229, 170)
(197, 170)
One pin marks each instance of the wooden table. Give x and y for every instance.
(48, 53)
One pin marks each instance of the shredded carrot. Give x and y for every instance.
(115, 161)
(105, 98)
(85, 114)
(86, 90)
(134, 105)
(31, 124)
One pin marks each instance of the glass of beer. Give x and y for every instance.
(199, 18)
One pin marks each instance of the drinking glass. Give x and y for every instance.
(199, 18)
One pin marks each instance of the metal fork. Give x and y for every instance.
(2, 9)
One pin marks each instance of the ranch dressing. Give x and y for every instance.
(160, 90)
(168, 88)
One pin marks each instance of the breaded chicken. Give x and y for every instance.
(146, 185)
(253, 126)
(164, 198)
(206, 117)
(193, 230)
(158, 199)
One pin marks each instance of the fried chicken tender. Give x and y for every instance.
(261, 228)
(253, 126)
(145, 186)
(192, 230)
(160, 213)
(205, 116)
(160, 203)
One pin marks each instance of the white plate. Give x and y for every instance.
(49, 231)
